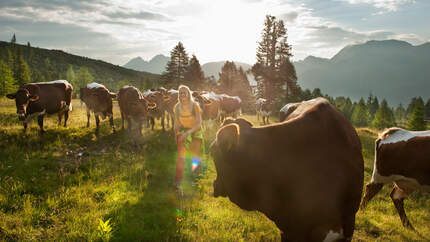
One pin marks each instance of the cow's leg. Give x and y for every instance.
(162, 122)
(398, 195)
(122, 120)
(129, 124)
(97, 122)
(267, 119)
(60, 115)
(111, 122)
(88, 117)
(66, 117)
(25, 126)
(371, 190)
(40, 122)
(139, 127)
(348, 227)
(152, 120)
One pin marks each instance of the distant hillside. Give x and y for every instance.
(60, 61)
(390, 69)
(156, 65)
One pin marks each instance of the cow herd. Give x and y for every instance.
(305, 172)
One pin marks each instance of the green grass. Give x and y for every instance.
(71, 185)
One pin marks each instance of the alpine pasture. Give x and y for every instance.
(71, 185)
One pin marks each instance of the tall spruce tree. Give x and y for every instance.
(273, 71)
(400, 113)
(22, 71)
(83, 78)
(13, 40)
(194, 76)
(417, 120)
(427, 108)
(7, 83)
(176, 67)
(361, 116)
(384, 116)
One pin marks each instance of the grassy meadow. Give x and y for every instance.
(71, 185)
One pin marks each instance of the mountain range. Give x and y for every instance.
(390, 69)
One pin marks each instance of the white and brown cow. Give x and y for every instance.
(305, 174)
(157, 97)
(98, 99)
(170, 98)
(263, 108)
(402, 157)
(133, 106)
(38, 99)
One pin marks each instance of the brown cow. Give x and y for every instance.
(157, 97)
(133, 106)
(229, 106)
(98, 99)
(170, 99)
(210, 104)
(403, 158)
(38, 99)
(305, 174)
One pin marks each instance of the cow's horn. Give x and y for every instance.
(228, 136)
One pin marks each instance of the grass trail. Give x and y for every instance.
(59, 188)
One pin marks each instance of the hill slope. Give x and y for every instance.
(390, 69)
(60, 61)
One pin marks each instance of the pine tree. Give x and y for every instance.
(22, 72)
(7, 83)
(194, 76)
(384, 117)
(83, 78)
(411, 107)
(317, 93)
(400, 113)
(227, 76)
(176, 67)
(273, 70)
(372, 104)
(70, 75)
(427, 108)
(361, 116)
(417, 120)
(13, 40)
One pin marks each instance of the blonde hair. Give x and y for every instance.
(190, 96)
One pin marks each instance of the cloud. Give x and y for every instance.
(137, 15)
(390, 5)
(79, 5)
(289, 17)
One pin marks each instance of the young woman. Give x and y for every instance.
(188, 132)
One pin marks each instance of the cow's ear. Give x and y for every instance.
(33, 98)
(228, 136)
(152, 106)
(113, 95)
(11, 95)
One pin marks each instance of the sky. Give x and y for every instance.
(117, 31)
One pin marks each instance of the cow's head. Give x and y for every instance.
(22, 99)
(222, 150)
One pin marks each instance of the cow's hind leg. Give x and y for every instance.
(348, 227)
(97, 123)
(398, 195)
(88, 117)
(111, 122)
(60, 115)
(40, 122)
(66, 117)
(25, 126)
(371, 190)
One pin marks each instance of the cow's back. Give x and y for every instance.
(97, 99)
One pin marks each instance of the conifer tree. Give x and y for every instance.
(22, 72)
(417, 120)
(13, 40)
(7, 83)
(427, 108)
(400, 113)
(384, 117)
(273, 70)
(83, 78)
(176, 67)
(194, 76)
(361, 116)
